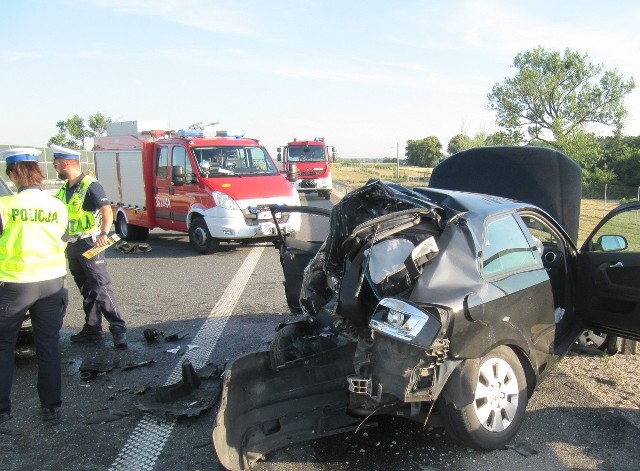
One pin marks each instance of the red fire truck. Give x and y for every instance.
(211, 184)
(313, 161)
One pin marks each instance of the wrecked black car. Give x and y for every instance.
(445, 304)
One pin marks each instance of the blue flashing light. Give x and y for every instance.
(190, 133)
(318, 139)
(237, 133)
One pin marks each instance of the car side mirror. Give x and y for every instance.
(612, 243)
(279, 154)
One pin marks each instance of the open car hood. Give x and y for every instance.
(544, 177)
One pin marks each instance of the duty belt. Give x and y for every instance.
(81, 236)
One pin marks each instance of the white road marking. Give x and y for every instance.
(147, 440)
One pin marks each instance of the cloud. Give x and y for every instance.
(217, 17)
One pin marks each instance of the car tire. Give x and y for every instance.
(497, 388)
(604, 342)
(612, 345)
(200, 237)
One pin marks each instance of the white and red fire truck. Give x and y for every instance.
(313, 161)
(209, 183)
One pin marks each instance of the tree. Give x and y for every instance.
(424, 152)
(509, 137)
(559, 94)
(458, 143)
(98, 125)
(73, 132)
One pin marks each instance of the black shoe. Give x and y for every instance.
(50, 413)
(4, 416)
(119, 339)
(86, 335)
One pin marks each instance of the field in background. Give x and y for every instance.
(591, 210)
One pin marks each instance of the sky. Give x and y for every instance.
(366, 75)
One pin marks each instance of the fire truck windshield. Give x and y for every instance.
(234, 160)
(306, 154)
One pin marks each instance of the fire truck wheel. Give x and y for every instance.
(327, 195)
(200, 237)
(130, 232)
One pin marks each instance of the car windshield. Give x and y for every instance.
(307, 154)
(234, 160)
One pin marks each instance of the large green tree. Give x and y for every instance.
(555, 95)
(424, 152)
(73, 132)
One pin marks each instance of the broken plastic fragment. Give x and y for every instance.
(189, 397)
(177, 336)
(522, 449)
(173, 350)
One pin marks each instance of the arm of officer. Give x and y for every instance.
(107, 221)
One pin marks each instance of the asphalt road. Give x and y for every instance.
(227, 304)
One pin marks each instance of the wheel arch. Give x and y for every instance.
(119, 213)
(457, 386)
(194, 212)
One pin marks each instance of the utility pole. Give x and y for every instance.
(397, 161)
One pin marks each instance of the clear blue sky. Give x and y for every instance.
(364, 74)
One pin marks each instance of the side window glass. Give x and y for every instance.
(621, 233)
(505, 247)
(181, 159)
(546, 239)
(162, 162)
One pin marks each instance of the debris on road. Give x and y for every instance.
(92, 367)
(195, 393)
(132, 366)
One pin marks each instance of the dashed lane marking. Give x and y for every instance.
(147, 440)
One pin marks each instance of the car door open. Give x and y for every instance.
(609, 274)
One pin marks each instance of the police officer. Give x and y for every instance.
(33, 227)
(90, 219)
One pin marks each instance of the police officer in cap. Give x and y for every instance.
(33, 233)
(90, 219)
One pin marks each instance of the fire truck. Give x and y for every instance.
(212, 184)
(312, 159)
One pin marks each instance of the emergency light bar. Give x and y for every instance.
(210, 133)
(237, 133)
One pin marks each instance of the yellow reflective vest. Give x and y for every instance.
(31, 245)
(80, 221)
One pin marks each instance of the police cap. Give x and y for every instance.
(60, 152)
(21, 154)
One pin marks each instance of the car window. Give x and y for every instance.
(621, 233)
(181, 159)
(162, 162)
(505, 247)
(544, 237)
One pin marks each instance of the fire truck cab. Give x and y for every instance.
(212, 184)
(312, 159)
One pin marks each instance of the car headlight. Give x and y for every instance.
(405, 321)
(224, 200)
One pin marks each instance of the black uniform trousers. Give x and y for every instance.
(46, 302)
(93, 281)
